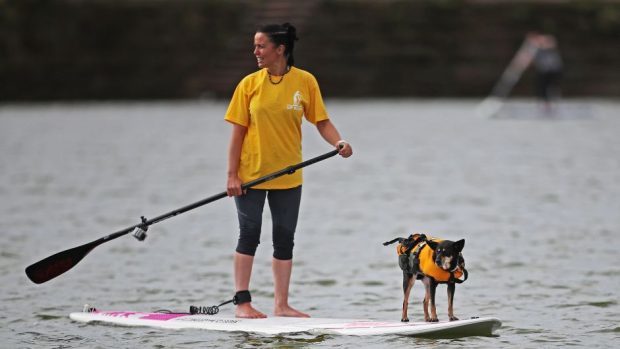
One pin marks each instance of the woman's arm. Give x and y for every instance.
(233, 186)
(329, 132)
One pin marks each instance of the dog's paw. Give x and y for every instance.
(453, 318)
(432, 320)
(404, 320)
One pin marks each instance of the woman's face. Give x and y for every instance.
(266, 52)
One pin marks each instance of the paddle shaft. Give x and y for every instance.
(52, 266)
(288, 170)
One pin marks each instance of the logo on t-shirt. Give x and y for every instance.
(296, 102)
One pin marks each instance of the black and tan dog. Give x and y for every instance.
(433, 261)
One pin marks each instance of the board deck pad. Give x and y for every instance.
(484, 326)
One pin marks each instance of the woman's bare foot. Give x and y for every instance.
(288, 312)
(246, 311)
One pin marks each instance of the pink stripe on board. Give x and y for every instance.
(144, 316)
(161, 316)
(125, 314)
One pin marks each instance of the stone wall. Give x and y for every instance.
(154, 49)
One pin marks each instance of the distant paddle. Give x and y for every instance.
(52, 266)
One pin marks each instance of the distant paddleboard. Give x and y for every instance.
(284, 325)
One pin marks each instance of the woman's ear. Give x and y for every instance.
(280, 49)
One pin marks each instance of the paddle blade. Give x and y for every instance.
(52, 266)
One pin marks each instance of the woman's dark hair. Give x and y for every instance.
(282, 34)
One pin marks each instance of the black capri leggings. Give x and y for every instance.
(284, 206)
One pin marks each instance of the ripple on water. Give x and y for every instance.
(46, 317)
(597, 304)
(8, 255)
(512, 265)
(608, 330)
(38, 338)
(523, 330)
(321, 282)
(373, 283)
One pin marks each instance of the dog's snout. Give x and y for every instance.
(446, 263)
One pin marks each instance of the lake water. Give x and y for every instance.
(537, 200)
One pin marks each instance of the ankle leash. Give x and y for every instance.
(239, 298)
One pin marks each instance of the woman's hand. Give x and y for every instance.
(233, 187)
(344, 148)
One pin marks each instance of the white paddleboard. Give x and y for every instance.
(282, 325)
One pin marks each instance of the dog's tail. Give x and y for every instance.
(411, 240)
(399, 240)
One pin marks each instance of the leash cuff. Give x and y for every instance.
(242, 297)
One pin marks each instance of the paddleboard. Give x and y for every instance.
(484, 326)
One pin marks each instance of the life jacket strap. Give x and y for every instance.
(418, 248)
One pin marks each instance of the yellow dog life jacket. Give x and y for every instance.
(429, 268)
(425, 262)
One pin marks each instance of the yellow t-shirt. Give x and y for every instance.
(273, 114)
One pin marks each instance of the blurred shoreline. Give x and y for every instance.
(144, 50)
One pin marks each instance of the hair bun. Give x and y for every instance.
(291, 31)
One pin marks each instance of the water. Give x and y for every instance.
(536, 200)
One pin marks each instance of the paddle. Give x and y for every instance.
(52, 266)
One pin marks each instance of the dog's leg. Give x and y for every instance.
(427, 297)
(408, 281)
(433, 288)
(451, 291)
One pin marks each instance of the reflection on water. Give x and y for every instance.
(535, 199)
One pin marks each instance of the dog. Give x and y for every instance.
(433, 261)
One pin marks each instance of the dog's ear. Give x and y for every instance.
(433, 244)
(459, 245)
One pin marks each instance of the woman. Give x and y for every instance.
(266, 113)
